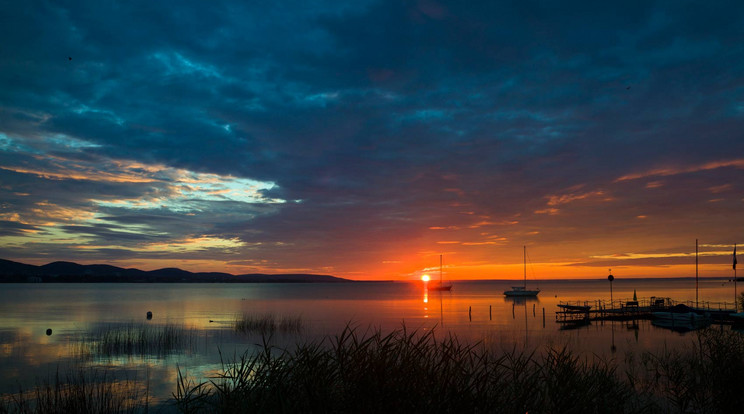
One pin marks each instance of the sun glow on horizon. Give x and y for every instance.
(425, 278)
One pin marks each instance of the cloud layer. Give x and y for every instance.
(366, 138)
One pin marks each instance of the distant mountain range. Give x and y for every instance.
(62, 272)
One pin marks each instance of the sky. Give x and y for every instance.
(365, 139)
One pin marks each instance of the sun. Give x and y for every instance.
(425, 278)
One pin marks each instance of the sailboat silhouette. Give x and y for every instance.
(522, 290)
(441, 285)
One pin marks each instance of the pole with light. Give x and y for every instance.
(611, 278)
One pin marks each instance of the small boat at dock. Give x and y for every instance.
(678, 312)
(681, 318)
(522, 290)
(577, 308)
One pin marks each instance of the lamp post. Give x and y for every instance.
(611, 278)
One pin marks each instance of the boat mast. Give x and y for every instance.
(440, 270)
(525, 266)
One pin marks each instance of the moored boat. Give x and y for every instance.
(441, 286)
(581, 308)
(681, 318)
(522, 290)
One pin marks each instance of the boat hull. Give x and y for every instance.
(673, 316)
(521, 293)
(576, 308)
(441, 288)
(680, 322)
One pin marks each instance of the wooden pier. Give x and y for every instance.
(582, 312)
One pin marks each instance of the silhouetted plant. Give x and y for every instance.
(405, 372)
(267, 324)
(80, 391)
(707, 377)
(139, 339)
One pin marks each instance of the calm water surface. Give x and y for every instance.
(474, 311)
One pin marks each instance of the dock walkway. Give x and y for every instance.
(628, 309)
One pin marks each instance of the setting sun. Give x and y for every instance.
(425, 278)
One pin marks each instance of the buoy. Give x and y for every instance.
(149, 315)
(49, 332)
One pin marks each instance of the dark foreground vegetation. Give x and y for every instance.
(80, 391)
(137, 339)
(408, 372)
(267, 324)
(413, 372)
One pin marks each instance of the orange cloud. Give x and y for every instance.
(557, 200)
(737, 163)
(720, 188)
(654, 184)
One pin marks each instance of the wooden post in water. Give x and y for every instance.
(489, 313)
(543, 317)
(533, 310)
(470, 313)
(736, 305)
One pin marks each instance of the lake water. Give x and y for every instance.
(474, 311)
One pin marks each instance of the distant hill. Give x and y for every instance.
(61, 272)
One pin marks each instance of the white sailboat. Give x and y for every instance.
(522, 291)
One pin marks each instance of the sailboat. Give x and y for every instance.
(441, 286)
(522, 291)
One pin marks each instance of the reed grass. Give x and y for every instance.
(268, 324)
(80, 391)
(410, 372)
(706, 377)
(139, 339)
(405, 372)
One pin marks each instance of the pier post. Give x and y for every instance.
(489, 313)
(543, 317)
(470, 313)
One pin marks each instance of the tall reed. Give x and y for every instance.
(406, 372)
(80, 391)
(267, 324)
(139, 339)
(706, 377)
